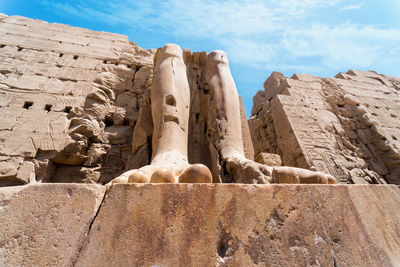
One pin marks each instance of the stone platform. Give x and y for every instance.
(200, 225)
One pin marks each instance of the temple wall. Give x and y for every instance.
(346, 126)
(70, 98)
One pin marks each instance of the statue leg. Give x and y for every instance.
(170, 99)
(226, 134)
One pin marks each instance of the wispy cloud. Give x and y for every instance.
(352, 7)
(342, 45)
(258, 33)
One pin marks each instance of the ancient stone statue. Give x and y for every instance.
(170, 105)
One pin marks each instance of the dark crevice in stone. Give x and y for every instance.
(90, 228)
(170, 100)
(223, 244)
(27, 104)
(48, 107)
(109, 122)
(168, 118)
(125, 122)
(226, 246)
(67, 109)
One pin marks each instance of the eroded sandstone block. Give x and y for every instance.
(245, 225)
(70, 98)
(345, 126)
(269, 159)
(45, 224)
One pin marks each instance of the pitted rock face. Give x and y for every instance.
(345, 126)
(70, 99)
(245, 225)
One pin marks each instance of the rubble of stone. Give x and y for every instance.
(347, 126)
(69, 100)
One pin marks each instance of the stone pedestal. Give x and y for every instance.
(201, 225)
(46, 224)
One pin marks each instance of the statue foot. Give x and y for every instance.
(189, 173)
(243, 170)
(292, 175)
(196, 173)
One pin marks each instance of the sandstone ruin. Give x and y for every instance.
(347, 126)
(97, 112)
(81, 108)
(221, 140)
(70, 99)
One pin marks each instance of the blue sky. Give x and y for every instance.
(291, 36)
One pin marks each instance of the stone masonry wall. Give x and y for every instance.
(347, 126)
(69, 100)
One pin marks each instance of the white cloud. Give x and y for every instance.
(198, 17)
(352, 7)
(342, 45)
(259, 33)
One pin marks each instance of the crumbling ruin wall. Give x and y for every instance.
(347, 126)
(76, 105)
(69, 100)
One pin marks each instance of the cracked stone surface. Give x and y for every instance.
(69, 99)
(245, 225)
(46, 224)
(346, 126)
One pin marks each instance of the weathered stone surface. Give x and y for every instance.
(245, 225)
(45, 224)
(64, 93)
(198, 118)
(93, 118)
(247, 143)
(346, 126)
(269, 159)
